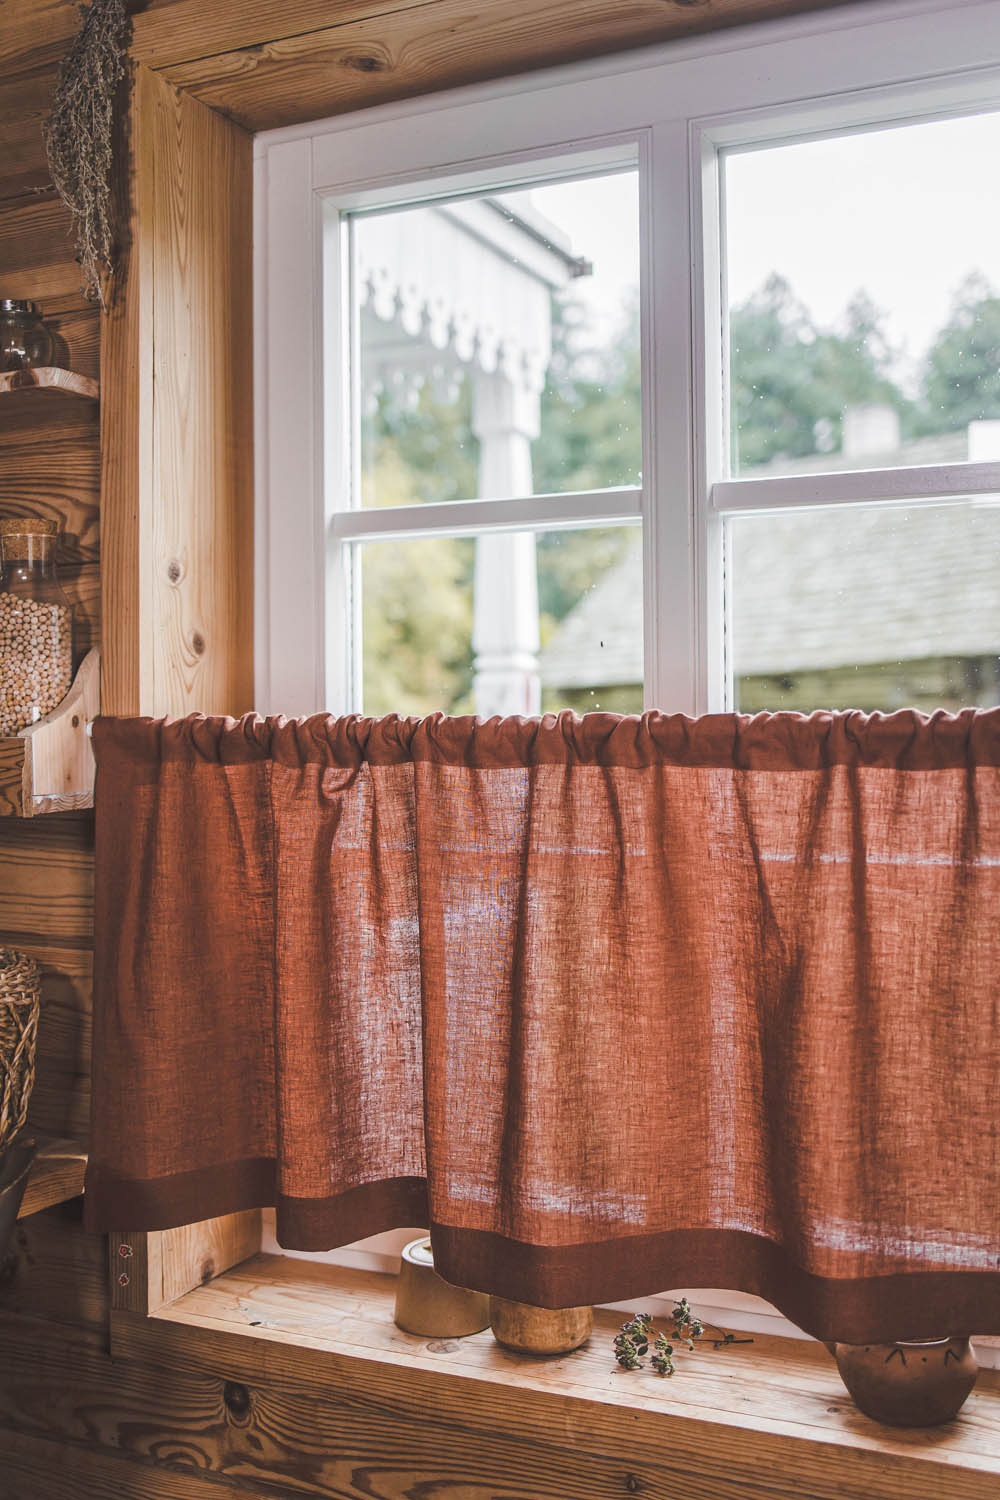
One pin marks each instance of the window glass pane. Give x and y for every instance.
(499, 343)
(864, 299)
(504, 623)
(871, 607)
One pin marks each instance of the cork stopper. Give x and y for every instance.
(26, 538)
(27, 526)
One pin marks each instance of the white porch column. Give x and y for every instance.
(505, 629)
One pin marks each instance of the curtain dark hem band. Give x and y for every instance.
(115, 1204)
(917, 1304)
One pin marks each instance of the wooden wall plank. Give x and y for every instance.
(438, 45)
(38, 1470)
(37, 254)
(25, 101)
(36, 33)
(174, 31)
(171, 32)
(277, 1442)
(66, 1388)
(55, 1272)
(53, 471)
(47, 881)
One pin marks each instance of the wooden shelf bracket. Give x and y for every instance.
(49, 767)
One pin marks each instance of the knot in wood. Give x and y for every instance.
(175, 571)
(633, 1484)
(365, 63)
(237, 1399)
(198, 643)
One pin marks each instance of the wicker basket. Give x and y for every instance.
(20, 986)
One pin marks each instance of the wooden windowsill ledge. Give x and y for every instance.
(769, 1419)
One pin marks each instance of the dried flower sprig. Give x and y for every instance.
(687, 1327)
(79, 133)
(632, 1343)
(663, 1356)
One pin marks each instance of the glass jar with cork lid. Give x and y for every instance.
(36, 624)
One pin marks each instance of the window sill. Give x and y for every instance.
(769, 1418)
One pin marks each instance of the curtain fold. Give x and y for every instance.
(612, 1005)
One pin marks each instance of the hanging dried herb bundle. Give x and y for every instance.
(78, 136)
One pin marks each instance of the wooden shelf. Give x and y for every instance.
(56, 1175)
(48, 378)
(49, 767)
(47, 394)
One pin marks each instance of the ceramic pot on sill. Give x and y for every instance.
(539, 1330)
(912, 1383)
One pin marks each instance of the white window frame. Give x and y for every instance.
(857, 66)
(676, 106)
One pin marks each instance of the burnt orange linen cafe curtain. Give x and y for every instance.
(612, 1004)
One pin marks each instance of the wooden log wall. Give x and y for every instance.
(54, 1275)
(49, 467)
(170, 501)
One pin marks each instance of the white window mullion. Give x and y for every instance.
(670, 637)
(340, 461)
(469, 517)
(934, 482)
(710, 395)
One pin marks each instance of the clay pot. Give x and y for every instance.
(15, 1164)
(915, 1383)
(539, 1330)
(428, 1305)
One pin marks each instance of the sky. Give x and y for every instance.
(905, 213)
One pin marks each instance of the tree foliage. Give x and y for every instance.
(792, 380)
(961, 379)
(790, 383)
